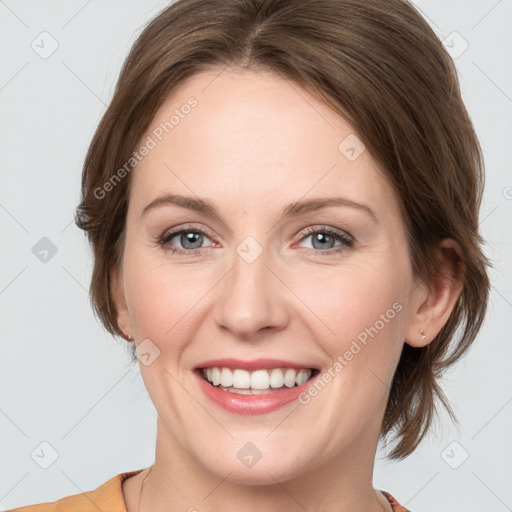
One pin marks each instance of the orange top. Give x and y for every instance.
(108, 497)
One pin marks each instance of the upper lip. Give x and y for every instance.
(253, 364)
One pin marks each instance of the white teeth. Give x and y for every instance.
(289, 378)
(226, 378)
(302, 376)
(241, 379)
(276, 378)
(215, 376)
(257, 380)
(260, 380)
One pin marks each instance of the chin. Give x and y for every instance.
(267, 465)
(259, 475)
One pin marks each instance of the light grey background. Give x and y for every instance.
(65, 382)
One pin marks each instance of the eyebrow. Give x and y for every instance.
(292, 210)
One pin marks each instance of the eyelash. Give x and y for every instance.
(346, 240)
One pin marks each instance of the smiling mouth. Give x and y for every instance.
(258, 382)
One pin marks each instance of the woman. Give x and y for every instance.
(282, 199)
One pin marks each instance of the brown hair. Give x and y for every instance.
(380, 66)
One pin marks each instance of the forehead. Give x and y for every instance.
(256, 136)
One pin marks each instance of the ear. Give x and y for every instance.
(433, 302)
(123, 315)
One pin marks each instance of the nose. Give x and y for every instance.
(252, 300)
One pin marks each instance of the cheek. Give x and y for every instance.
(358, 314)
(164, 299)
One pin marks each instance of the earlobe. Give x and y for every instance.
(437, 299)
(123, 315)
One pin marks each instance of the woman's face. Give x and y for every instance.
(270, 275)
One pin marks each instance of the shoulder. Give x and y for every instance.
(108, 497)
(394, 504)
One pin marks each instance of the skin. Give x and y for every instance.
(254, 144)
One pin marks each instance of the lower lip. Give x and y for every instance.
(251, 404)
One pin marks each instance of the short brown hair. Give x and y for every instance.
(382, 68)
